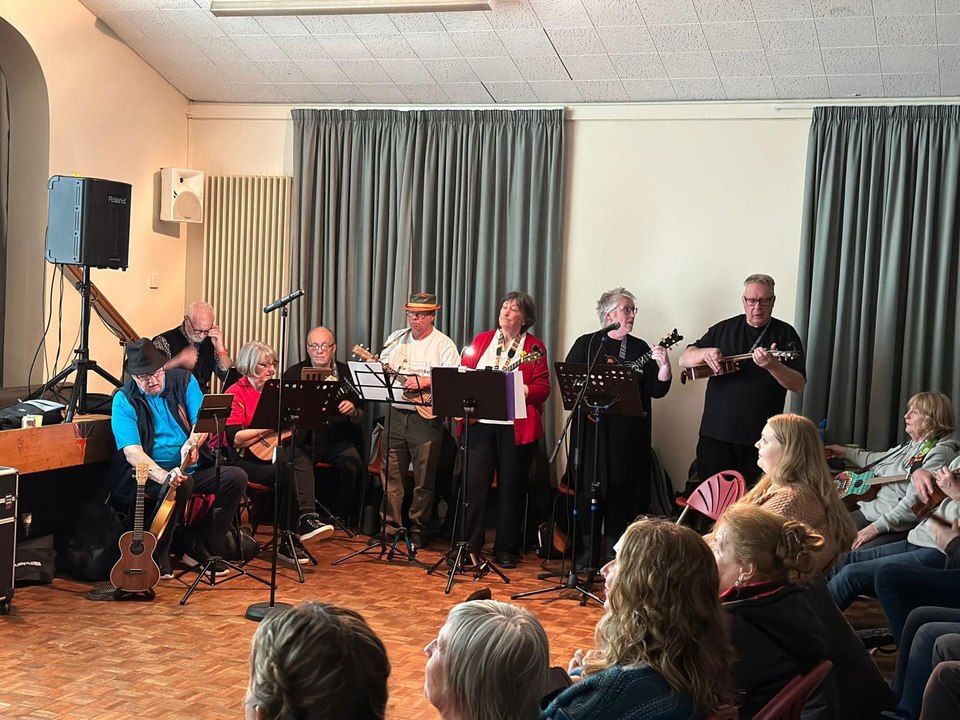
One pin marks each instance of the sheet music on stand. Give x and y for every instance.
(371, 384)
(310, 401)
(612, 387)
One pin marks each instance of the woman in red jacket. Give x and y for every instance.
(506, 447)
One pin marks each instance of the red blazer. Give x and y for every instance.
(535, 375)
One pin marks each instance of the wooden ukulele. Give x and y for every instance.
(263, 447)
(422, 399)
(168, 497)
(923, 510)
(730, 364)
(136, 571)
(667, 341)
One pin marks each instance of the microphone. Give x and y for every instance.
(610, 328)
(277, 304)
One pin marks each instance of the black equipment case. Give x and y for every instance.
(8, 535)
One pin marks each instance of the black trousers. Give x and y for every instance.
(301, 484)
(715, 456)
(350, 472)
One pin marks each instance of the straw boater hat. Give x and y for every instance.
(422, 302)
(143, 358)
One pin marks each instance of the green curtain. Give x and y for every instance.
(464, 203)
(878, 282)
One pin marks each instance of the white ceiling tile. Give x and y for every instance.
(303, 93)
(789, 34)
(782, 9)
(417, 22)
(326, 24)
(467, 93)
(124, 29)
(732, 36)
(386, 47)
(561, 13)
(284, 71)
(741, 63)
(883, 8)
(641, 66)
(661, 12)
(949, 59)
(612, 13)
(259, 47)
(511, 92)
(907, 30)
(339, 93)
(479, 44)
(198, 22)
(424, 93)
(247, 73)
(556, 92)
(239, 26)
(580, 41)
(344, 47)
(301, 47)
(847, 32)
(541, 69)
(911, 85)
(689, 65)
(450, 70)
(841, 8)
(282, 25)
(364, 71)
(511, 16)
(807, 87)
(679, 38)
(383, 93)
(526, 43)
(945, 7)
(432, 44)
(407, 71)
(699, 89)
(465, 21)
(500, 69)
(590, 67)
(602, 91)
(851, 61)
(322, 71)
(649, 90)
(221, 49)
(749, 88)
(158, 26)
(913, 60)
(950, 84)
(724, 10)
(250, 92)
(627, 39)
(371, 24)
(799, 62)
(948, 29)
(865, 86)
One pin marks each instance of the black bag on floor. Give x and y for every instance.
(34, 564)
(92, 550)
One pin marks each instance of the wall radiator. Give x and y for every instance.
(246, 255)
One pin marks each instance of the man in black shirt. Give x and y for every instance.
(738, 403)
(197, 345)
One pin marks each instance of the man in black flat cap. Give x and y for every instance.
(152, 420)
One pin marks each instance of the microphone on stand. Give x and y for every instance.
(610, 328)
(277, 304)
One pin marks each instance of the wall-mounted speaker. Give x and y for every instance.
(88, 222)
(181, 195)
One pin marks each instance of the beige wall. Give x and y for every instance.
(110, 116)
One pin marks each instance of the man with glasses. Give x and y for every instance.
(738, 404)
(197, 345)
(415, 435)
(339, 443)
(152, 419)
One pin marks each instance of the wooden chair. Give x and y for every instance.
(788, 703)
(714, 495)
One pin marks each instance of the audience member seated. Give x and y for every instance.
(916, 656)
(929, 421)
(941, 698)
(662, 652)
(317, 662)
(488, 662)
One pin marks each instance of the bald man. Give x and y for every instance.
(196, 345)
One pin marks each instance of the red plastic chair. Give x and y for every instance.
(715, 494)
(788, 703)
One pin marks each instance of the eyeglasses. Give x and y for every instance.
(268, 363)
(322, 347)
(198, 331)
(628, 310)
(155, 374)
(762, 302)
(419, 315)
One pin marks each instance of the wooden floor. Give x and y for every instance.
(64, 656)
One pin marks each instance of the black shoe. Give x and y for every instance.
(299, 557)
(505, 559)
(311, 527)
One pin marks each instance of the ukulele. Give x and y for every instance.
(667, 342)
(136, 571)
(533, 356)
(422, 399)
(263, 446)
(168, 495)
(856, 486)
(730, 364)
(924, 510)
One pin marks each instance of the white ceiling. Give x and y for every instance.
(553, 51)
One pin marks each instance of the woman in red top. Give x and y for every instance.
(506, 447)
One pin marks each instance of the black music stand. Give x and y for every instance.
(473, 395)
(213, 413)
(606, 390)
(372, 383)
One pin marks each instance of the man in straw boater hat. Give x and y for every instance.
(415, 434)
(152, 421)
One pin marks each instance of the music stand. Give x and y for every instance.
(606, 390)
(473, 395)
(213, 413)
(372, 383)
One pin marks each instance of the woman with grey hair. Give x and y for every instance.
(488, 662)
(622, 442)
(317, 662)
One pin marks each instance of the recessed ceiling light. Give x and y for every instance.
(226, 8)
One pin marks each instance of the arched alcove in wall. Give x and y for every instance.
(22, 281)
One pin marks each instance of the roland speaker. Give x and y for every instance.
(181, 195)
(88, 222)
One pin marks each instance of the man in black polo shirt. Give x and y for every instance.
(197, 345)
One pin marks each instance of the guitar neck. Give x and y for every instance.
(141, 478)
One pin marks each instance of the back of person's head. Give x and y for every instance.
(317, 662)
(663, 610)
(491, 663)
(776, 548)
(939, 420)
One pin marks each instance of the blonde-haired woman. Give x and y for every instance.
(662, 652)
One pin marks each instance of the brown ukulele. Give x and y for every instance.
(263, 446)
(924, 510)
(136, 571)
(168, 497)
(730, 364)
(422, 399)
